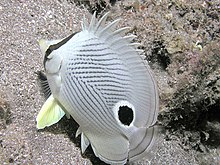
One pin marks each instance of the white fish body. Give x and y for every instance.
(101, 80)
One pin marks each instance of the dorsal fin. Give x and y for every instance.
(113, 37)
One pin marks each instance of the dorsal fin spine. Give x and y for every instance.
(84, 23)
(140, 51)
(109, 27)
(130, 37)
(120, 31)
(92, 22)
(101, 22)
(135, 44)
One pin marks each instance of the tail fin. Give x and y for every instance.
(141, 142)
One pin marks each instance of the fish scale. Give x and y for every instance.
(100, 78)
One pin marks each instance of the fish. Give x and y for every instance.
(99, 77)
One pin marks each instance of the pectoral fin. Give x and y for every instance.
(49, 114)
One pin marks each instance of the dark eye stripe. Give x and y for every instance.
(56, 46)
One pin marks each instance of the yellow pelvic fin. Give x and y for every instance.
(49, 114)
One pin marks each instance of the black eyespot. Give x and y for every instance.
(125, 115)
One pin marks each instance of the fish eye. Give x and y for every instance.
(125, 115)
(56, 46)
(47, 53)
(49, 50)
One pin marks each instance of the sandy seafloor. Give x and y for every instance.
(22, 24)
